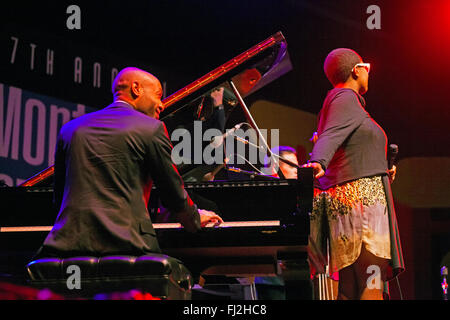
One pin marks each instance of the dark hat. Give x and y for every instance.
(339, 63)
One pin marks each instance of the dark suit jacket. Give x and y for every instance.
(105, 163)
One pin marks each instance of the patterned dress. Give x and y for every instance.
(347, 215)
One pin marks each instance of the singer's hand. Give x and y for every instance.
(392, 173)
(317, 169)
(207, 217)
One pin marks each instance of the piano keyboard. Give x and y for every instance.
(229, 224)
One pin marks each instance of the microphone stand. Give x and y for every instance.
(255, 126)
(286, 161)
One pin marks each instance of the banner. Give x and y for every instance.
(41, 73)
(70, 70)
(29, 126)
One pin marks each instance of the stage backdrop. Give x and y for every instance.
(47, 80)
(29, 125)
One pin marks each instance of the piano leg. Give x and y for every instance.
(296, 276)
(233, 281)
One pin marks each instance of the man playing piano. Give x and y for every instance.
(105, 164)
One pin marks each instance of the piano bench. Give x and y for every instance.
(162, 276)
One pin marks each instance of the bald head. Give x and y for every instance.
(339, 67)
(339, 63)
(140, 89)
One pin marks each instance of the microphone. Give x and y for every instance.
(218, 140)
(444, 284)
(252, 174)
(247, 142)
(393, 151)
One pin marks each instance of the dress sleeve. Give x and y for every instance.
(337, 121)
(169, 182)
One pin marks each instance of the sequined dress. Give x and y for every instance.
(348, 215)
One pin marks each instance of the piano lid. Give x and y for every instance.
(186, 108)
(249, 72)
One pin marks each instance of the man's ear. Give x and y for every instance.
(136, 89)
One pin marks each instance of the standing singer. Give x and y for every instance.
(353, 218)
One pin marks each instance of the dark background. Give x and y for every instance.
(180, 41)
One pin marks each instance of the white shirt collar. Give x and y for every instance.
(119, 100)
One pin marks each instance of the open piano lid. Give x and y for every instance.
(249, 72)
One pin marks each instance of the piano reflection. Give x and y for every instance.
(266, 219)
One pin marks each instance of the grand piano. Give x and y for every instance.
(266, 219)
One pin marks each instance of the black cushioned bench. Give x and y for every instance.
(160, 275)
